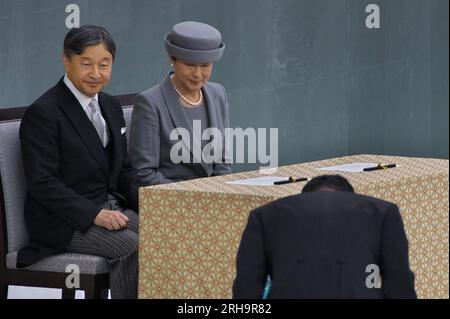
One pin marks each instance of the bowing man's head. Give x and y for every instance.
(330, 183)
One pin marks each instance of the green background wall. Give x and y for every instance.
(310, 68)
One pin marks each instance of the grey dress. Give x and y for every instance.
(157, 112)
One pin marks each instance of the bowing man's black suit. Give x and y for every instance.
(68, 172)
(318, 245)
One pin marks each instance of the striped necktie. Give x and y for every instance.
(98, 121)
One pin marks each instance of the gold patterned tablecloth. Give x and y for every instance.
(190, 231)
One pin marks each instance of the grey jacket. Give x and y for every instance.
(156, 113)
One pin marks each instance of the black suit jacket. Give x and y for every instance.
(67, 169)
(318, 245)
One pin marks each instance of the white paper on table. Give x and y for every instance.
(259, 181)
(352, 167)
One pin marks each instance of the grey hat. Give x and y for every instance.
(194, 42)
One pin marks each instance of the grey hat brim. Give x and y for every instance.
(194, 56)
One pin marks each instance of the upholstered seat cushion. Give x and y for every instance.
(88, 264)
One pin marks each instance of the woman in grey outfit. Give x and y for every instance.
(178, 126)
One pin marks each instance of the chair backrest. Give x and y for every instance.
(13, 183)
(127, 110)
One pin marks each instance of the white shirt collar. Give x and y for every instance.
(83, 99)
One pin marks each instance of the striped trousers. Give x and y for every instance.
(119, 247)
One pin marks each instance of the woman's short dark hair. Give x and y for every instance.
(335, 183)
(78, 39)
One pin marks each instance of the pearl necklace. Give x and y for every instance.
(185, 98)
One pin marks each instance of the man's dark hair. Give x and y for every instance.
(78, 39)
(335, 183)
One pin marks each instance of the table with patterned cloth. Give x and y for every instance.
(190, 231)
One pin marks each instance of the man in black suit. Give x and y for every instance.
(325, 243)
(80, 183)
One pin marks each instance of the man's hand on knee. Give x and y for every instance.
(111, 219)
